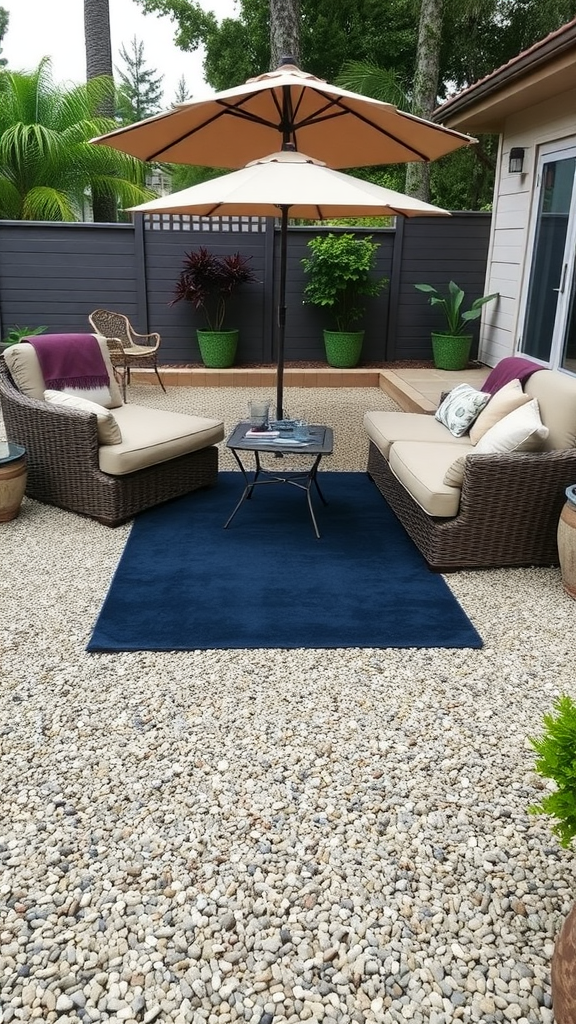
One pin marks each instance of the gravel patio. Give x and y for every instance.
(271, 836)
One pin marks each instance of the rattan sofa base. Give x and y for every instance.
(509, 510)
(62, 458)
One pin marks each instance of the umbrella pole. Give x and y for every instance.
(281, 314)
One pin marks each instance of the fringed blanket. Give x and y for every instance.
(73, 363)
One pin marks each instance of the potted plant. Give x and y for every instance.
(556, 750)
(207, 281)
(451, 348)
(15, 335)
(340, 277)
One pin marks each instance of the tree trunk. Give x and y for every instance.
(284, 31)
(425, 87)
(99, 62)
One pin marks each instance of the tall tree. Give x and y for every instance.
(182, 94)
(425, 91)
(284, 31)
(47, 165)
(4, 19)
(99, 62)
(140, 90)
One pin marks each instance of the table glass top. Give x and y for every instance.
(9, 452)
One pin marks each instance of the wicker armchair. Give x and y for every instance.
(62, 459)
(128, 349)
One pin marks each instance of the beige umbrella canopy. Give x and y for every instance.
(286, 106)
(288, 184)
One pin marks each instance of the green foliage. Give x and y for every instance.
(340, 276)
(451, 306)
(47, 165)
(140, 91)
(4, 19)
(208, 280)
(16, 333)
(556, 750)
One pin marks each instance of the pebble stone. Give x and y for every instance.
(272, 836)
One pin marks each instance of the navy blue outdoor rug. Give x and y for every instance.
(184, 583)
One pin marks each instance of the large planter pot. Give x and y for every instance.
(343, 348)
(451, 352)
(567, 542)
(563, 972)
(218, 348)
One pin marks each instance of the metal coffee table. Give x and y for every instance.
(321, 443)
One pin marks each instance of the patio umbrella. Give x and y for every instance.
(290, 184)
(286, 106)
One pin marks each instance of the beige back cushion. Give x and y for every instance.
(22, 361)
(556, 394)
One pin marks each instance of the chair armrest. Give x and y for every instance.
(535, 480)
(155, 343)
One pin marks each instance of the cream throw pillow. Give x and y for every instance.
(520, 431)
(460, 408)
(108, 429)
(505, 400)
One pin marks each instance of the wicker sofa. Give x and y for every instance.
(506, 511)
(161, 455)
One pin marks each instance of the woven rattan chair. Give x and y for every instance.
(128, 349)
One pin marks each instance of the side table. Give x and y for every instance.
(12, 479)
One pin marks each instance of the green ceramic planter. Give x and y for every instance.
(218, 348)
(343, 348)
(451, 352)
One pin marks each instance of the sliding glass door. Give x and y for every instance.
(549, 323)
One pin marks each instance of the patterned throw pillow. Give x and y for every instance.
(460, 408)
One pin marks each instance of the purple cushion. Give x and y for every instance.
(510, 368)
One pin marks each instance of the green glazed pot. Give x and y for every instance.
(451, 352)
(218, 348)
(343, 348)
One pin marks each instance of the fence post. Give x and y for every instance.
(140, 268)
(394, 287)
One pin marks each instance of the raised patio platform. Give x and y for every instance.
(415, 389)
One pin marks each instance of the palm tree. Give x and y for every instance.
(48, 168)
(98, 43)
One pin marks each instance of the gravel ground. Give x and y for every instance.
(271, 836)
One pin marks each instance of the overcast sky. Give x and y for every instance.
(55, 28)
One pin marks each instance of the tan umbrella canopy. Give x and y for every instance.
(286, 106)
(288, 184)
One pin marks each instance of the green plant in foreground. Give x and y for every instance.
(451, 305)
(17, 333)
(340, 276)
(557, 760)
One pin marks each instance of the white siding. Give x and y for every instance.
(534, 127)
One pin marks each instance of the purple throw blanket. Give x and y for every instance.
(509, 368)
(70, 361)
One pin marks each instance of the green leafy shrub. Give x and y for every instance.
(17, 333)
(556, 750)
(451, 306)
(340, 276)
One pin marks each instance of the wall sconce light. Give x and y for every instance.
(516, 160)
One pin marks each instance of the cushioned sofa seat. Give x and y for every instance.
(507, 508)
(420, 468)
(150, 436)
(385, 428)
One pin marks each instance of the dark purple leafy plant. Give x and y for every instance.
(207, 281)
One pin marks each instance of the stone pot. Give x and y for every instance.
(567, 542)
(343, 348)
(218, 348)
(563, 972)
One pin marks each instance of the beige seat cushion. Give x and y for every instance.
(108, 429)
(421, 469)
(385, 428)
(150, 436)
(556, 394)
(22, 361)
(508, 398)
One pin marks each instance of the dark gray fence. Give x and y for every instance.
(56, 274)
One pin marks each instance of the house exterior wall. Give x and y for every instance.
(510, 237)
